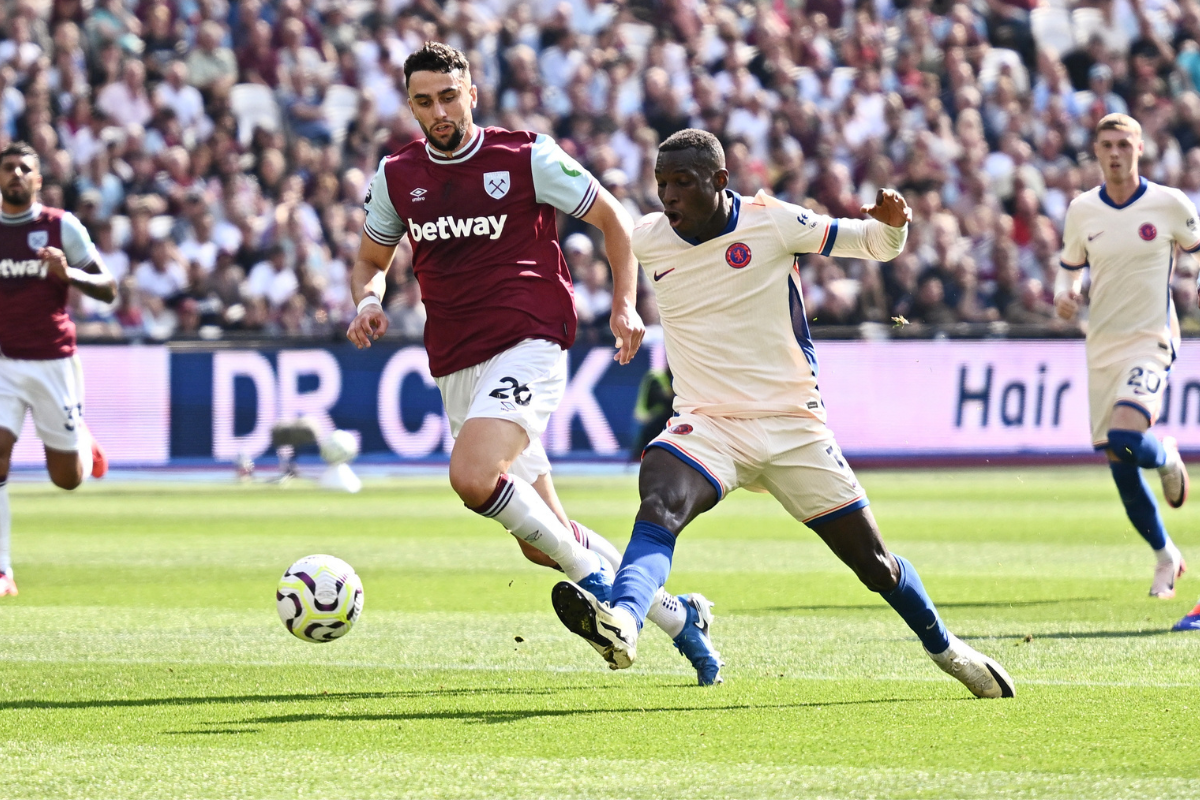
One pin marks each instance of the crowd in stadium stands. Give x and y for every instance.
(220, 151)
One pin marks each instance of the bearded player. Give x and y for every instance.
(749, 413)
(1125, 231)
(478, 205)
(43, 253)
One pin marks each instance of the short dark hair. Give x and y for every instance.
(435, 57)
(708, 147)
(21, 149)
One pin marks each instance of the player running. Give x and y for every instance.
(1125, 231)
(478, 205)
(748, 409)
(43, 252)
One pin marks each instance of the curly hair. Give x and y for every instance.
(435, 57)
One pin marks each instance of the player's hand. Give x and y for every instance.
(889, 208)
(627, 327)
(371, 323)
(1067, 304)
(55, 261)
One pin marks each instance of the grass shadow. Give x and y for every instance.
(298, 697)
(881, 604)
(502, 717)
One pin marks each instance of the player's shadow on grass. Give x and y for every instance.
(1076, 635)
(501, 717)
(881, 604)
(291, 698)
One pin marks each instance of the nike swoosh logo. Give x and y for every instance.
(1095, 235)
(616, 631)
(658, 276)
(931, 625)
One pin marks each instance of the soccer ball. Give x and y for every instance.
(319, 598)
(341, 447)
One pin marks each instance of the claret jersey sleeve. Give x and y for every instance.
(805, 231)
(383, 224)
(560, 180)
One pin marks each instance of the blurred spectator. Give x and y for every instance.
(163, 275)
(272, 279)
(126, 101)
(212, 66)
(407, 313)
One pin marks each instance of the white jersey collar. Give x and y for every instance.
(21, 219)
(468, 149)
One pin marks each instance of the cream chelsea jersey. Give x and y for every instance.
(732, 308)
(1130, 250)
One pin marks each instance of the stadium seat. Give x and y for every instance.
(1052, 28)
(254, 106)
(339, 107)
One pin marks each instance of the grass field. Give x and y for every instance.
(144, 657)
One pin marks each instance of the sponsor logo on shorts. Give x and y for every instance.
(1148, 232)
(738, 255)
(683, 429)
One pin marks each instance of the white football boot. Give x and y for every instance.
(983, 676)
(612, 631)
(1174, 474)
(1170, 568)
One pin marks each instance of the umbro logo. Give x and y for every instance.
(418, 194)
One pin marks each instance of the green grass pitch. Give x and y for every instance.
(144, 657)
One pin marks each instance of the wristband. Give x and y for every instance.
(369, 300)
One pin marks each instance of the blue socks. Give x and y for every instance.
(1136, 447)
(644, 568)
(1140, 506)
(915, 608)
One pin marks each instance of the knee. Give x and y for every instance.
(68, 481)
(1125, 444)
(880, 573)
(473, 485)
(669, 509)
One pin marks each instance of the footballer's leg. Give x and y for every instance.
(483, 452)
(668, 612)
(8, 585)
(1132, 447)
(855, 539)
(673, 493)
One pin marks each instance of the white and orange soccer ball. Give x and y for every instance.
(319, 598)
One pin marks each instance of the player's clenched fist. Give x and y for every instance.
(369, 325)
(55, 261)
(628, 329)
(1067, 304)
(889, 208)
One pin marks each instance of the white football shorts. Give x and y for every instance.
(1139, 383)
(52, 390)
(796, 459)
(523, 384)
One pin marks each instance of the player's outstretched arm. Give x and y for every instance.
(93, 279)
(367, 280)
(880, 238)
(615, 223)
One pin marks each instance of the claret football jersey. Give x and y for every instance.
(485, 242)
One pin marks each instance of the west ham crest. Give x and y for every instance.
(496, 184)
(38, 239)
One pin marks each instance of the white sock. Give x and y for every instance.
(5, 529)
(1168, 552)
(667, 612)
(85, 451)
(598, 545)
(518, 507)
